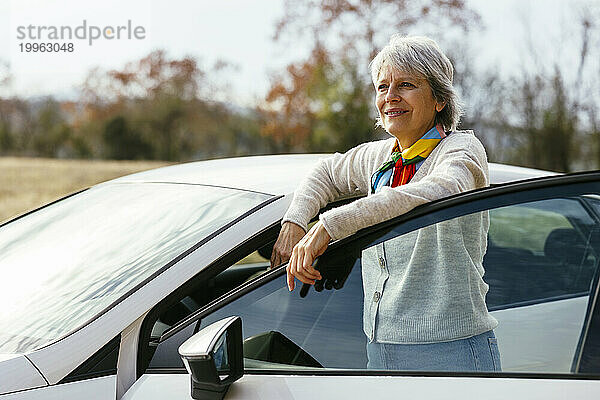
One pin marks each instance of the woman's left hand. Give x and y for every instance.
(312, 245)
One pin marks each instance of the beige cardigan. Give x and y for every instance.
(425, 286)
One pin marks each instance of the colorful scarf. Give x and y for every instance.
(402, 165)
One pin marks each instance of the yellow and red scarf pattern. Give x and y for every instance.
(402, 165)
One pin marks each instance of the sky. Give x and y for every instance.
(239, 32)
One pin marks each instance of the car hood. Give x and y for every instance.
(18, 373)
(276, 174)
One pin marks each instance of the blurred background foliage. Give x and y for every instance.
(159, 108)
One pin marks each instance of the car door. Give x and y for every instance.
(541, 266)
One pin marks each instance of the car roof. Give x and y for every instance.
(502, 173)
(274, 174)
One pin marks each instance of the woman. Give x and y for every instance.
(424, 302)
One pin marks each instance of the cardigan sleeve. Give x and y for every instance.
(332, 178)
(460, 167)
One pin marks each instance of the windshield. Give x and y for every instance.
(64, 264)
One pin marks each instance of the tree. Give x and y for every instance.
(367, 24)
(551, 106)
(124, 143)
(152, 108)
(559, 131)
(325, 102)
(50, 130)
(6, 134)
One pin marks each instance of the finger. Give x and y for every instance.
(307, 264)
(298, 254)
(293, 268)
(316, 243)
(305, 260)
(275, 256)
(290, 271)
(299, 274)
(278, 259)
(290, 279)
(298, 270)
(304, 279)
(294, 262)
(309, 269)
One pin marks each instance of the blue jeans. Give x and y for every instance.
(477, 353)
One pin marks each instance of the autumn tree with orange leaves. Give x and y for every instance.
(325, 102)
(161, 108)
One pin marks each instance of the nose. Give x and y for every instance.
(392, 94)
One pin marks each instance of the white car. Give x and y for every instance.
(105, 291)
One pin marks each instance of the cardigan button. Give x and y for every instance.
(381, 262)
(376, 297)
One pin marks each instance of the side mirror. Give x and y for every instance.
(214, 358)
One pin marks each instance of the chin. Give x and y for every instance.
(399, 134)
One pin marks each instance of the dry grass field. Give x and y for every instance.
(27, 183)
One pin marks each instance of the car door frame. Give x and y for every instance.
(265, 236)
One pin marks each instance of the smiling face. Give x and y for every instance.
(405, 104)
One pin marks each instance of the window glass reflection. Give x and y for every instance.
(65, 263)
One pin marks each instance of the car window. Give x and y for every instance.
(245, 263)
(538, 293)
(319, 314)
(250, 267)
(594, 202)
(534, 225)
(544, 241)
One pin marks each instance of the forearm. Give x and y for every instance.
(464, 171)
(332, 178)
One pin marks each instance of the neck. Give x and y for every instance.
(407, 140)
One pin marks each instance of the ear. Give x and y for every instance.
(439, 106)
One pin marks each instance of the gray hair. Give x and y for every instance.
(421, 56)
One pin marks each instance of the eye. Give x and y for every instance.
(382, 86)
(407, 84)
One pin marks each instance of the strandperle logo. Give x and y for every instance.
(84, 31)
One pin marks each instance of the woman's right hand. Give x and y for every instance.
(289, 236)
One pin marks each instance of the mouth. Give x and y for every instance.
(395, 112)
